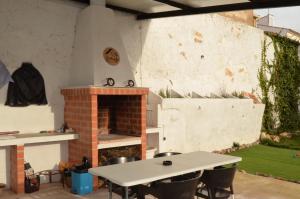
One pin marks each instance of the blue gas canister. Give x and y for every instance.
(82, 183)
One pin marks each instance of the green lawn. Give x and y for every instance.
(273, 161)
(293, 143)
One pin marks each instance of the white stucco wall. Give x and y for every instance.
(41, 32)
(208, 124)
(4, 165)
(97, 30)
(201, 53)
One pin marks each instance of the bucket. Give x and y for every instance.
(2, 187)
(82, 183)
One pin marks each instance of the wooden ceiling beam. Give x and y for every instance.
(82, 1)
(127, 10)
(113, 7)
(174, 4)
(254, 4)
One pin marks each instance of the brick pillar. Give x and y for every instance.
(81, 114)
(93, 149)
(17, 175)
(143, 121)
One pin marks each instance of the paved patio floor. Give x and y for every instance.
(246, 187)
(257, 187)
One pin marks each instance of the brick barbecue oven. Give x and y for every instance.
(106, 110)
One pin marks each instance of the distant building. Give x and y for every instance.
(266, 23)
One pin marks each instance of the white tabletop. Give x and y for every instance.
(145, 171)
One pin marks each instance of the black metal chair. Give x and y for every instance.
(116, 188)
(217, 183)
(165, 154)
(174, 189)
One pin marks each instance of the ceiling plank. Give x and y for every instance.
(254, 4)
(118, 8)
(83, 1)
(127, 10)
(174, 4)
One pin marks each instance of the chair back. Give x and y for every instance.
(165, 154)
(122, 160)
(184, 189)
(219, 177)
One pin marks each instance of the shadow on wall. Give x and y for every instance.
(58, 112)
(48, 45)
(49, 117)
(3, 94)
(7, 165)
(133, 34)
(152, 109)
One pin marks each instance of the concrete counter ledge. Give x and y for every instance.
(30, 138)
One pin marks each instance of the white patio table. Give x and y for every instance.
(145, 171)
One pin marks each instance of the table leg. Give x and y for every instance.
(110, 190)
(126, 192)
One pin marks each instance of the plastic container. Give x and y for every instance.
(82, 183)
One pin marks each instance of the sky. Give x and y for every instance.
(288, 17)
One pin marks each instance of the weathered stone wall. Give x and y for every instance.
(202, 53)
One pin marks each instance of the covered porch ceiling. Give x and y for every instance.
(150, 9)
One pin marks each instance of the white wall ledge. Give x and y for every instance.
(119, 144)
(22, 139)
(116, 140)
(150, 130)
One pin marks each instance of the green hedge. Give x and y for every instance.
(280, 80)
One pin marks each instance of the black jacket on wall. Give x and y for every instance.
(28, 87)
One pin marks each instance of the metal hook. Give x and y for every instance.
(109, 82)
